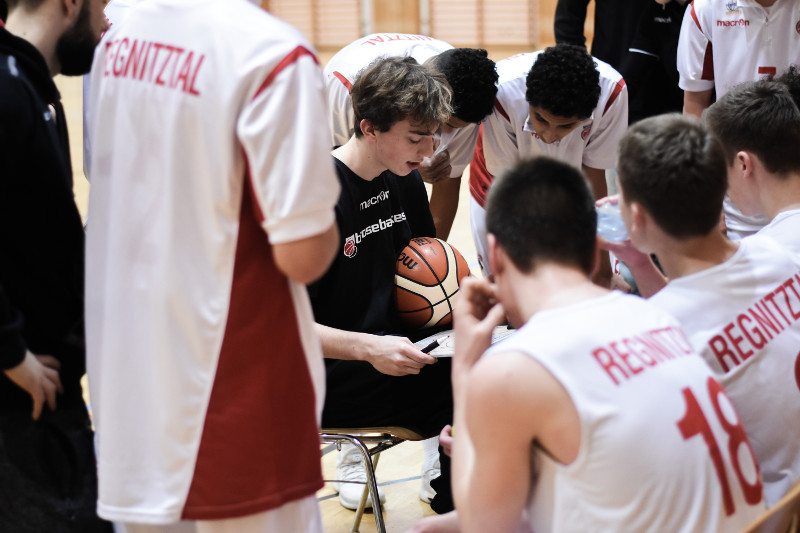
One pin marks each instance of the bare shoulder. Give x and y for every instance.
(529, 398)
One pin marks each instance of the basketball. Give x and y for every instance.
(429, 272)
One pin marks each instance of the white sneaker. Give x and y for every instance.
(426, 492)
(350, 467)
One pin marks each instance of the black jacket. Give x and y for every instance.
(41, 234)
(615, 24)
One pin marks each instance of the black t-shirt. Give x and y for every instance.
(376, 220)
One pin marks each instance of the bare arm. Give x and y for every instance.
(305, 260)
(694, 102)
(649, 278)
(444, 204)
(395, 356)
(597, 179)
(491, 440)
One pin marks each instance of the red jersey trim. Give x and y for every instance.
(614, 95)
(694, 16)
(479, 177)
(501, 110)
(344, 80)
(262, 391)
(293, 56)
(2, 24)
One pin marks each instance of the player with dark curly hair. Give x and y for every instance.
(561, 102)
(564, 81)
(473, 79)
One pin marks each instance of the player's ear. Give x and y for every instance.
(639, 218)
(745, 163)
(496, 257)
(71, 9)
(367, 128)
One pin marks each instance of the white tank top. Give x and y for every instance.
(649, 412)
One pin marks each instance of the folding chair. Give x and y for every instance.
(783, 517)
(381, 438)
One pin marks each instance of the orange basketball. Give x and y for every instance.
(429, 272)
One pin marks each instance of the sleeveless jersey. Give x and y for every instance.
(727, 42)
(202, 355)
(507, 136)
(654, 453)
(785, 228)
(344, 67)
(742, 316)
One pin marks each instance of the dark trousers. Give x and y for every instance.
(48, 479)
(360, 396)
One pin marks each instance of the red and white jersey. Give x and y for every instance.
(742, 316)
(344, 67)
(727, 42)
(507, 135)
(655, 454)
(114, 11)
(202, 355)
(785, 228)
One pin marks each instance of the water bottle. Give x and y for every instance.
(609, 223)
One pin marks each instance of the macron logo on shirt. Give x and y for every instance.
(378, 198)
(741, 23)
(160, 64)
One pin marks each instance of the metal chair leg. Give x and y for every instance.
(372, 485)
(362, 506)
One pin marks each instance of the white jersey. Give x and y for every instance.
(344, 67)
(202, 356)
(114, 11)
(727, 42)
(507, 135)
(785, 228)
(742, 316)
(654, 454)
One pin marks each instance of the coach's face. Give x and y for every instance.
(75, 47)
(402, 148)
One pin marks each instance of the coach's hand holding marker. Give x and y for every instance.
(395, 356)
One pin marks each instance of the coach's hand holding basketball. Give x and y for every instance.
(396, 356)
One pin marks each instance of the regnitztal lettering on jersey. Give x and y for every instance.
(623, 359)
(157, 63)
(756, 326)
(386, 38)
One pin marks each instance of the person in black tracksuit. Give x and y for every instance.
(650, 66)
(615, 23)
(47, 463)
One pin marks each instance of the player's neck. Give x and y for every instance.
(551, 286)
(358, 155)
(784, 195)
(681, 257)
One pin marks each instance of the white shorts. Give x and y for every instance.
(301, 516)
